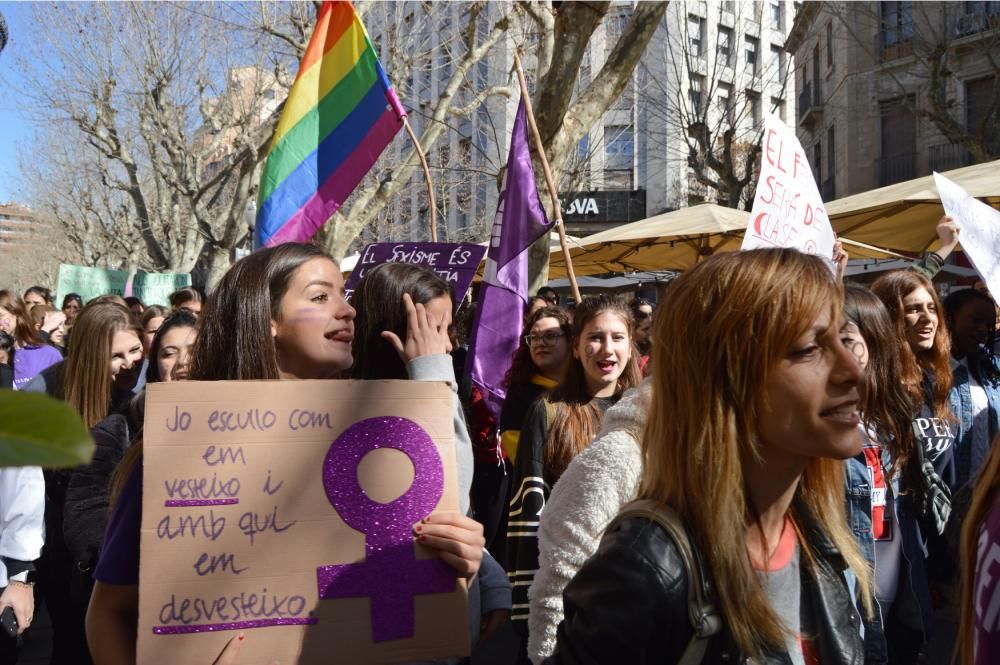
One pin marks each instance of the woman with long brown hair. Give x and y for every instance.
(562, 423)
(918, 316)
(754, 404)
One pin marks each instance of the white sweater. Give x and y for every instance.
(594, 487)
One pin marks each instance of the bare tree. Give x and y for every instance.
(167, 117)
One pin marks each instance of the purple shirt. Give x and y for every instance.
(119, 559)
(31, 360)
(986, 591)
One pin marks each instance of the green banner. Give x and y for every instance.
(89, 282)
(153, 288)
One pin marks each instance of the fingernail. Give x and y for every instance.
(241, 637)
(419, 528)
(421, 538)
(426, 520)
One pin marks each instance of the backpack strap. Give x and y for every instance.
(705, 617)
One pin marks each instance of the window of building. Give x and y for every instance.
(829, 45)
(724, 46)
(777, 15)
(618, 167)
(618, 147)
(778, 107)
(818, 161)
(728, 6)
(897, 22)
(696, 36)
(898, 138)
(750, 47)
(755, 113)
(695, 84)
(978, 107)
(829, 189)
(778, 58)
(725, 102)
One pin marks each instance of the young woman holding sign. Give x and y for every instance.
(748, 422)
(279, 313)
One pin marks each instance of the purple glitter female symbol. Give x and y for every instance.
(390, 575)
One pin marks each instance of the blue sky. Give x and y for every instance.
(15, 125)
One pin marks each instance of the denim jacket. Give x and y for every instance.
(858, 489)
(960, 401)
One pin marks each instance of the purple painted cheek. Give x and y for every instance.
(390, 575)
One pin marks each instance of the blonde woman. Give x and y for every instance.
(754, 403)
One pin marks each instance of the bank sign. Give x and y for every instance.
(604, 206)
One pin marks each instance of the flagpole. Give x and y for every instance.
(427, 176)
(556, 210)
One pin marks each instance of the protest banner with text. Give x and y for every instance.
(980, 226)
(89, 282)
(456, 263)
(285, 510)
(154, 288)
(788, 210)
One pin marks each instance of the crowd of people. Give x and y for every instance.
(767, 465)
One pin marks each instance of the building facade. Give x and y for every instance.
(888, 90)
(19, 228)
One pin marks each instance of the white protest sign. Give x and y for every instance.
(787, 210)
(980, 226)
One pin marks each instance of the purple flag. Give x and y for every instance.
(520, 221)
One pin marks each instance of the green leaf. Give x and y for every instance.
(36, 430)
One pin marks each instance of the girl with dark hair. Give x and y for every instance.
(404, 314)
(170, 351)
(278, 313)
(753, 409)
(151, 320)
(71, 305)
(562, 423)
(975, 394)
(37, 295)
(31, 354)
(885, 483)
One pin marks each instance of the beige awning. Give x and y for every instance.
(672, 241)
(903, 216)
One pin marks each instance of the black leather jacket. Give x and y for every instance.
(628, 604)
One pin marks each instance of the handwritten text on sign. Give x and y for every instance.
(455, 263)
(787, 209)
(289, 506)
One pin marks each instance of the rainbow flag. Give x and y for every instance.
(340, 115)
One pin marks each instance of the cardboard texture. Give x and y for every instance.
(275, 456)
(788, 210)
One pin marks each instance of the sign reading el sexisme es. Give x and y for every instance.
(455, 263)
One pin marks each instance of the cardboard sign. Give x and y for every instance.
(456, 263)
(980, 226)
(787, 210)
(89, 282)
(285, 509)
(153, 288)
